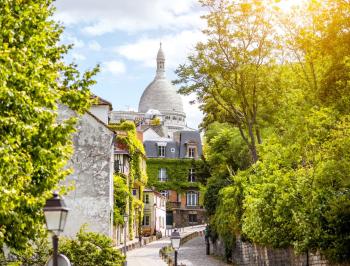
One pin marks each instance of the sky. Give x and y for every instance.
(123, 37)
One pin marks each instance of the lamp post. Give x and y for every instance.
(139, 225)
(155, 218)
(55, 212)
(175, 243)
(126, 218)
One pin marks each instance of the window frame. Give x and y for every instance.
(192, 198)
(146, 198)
(161, 151)
(191, 152)
(191, 216)
(162, 175)
(191, 175)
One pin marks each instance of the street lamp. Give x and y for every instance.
(175, 243)
(55, 212)
(126, 218)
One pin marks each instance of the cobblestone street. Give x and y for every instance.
(192, 253)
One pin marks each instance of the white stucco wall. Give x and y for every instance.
(101, 112)
(91, 200)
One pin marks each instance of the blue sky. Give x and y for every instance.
(123, 37)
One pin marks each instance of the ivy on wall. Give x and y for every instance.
(177, 171)
(137, 173)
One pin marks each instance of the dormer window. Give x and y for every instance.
(191, 152)
(161, 151)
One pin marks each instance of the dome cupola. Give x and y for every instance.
(160, 94)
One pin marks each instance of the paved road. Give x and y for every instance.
(192, 253)
(147, 255)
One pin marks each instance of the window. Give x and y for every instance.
(162, 177)
(192, 218)
(172, 150)
(191, 152)
(192, 198)
(119, 163)
(165, 193)
(191, 175)
(161, 151)
(145, 220)
(146, 199)
(134, 192)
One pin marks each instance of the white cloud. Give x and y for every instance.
(193, 115)
(130, 16)
(70, 39)
(94, 46)
(176, 48)
(114, 67)
(78, 56)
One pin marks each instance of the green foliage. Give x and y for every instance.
(90, 249)
(34, 147)
(36, 254)
(177, 171)
(297, 191)
(225, 154)
(121, 194)
(233, 73)
(127, 135)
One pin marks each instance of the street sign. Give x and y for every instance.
(62, 260)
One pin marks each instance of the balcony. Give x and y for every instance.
(194, 207)
(173, 205)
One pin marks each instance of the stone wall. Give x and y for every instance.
(247, 254)
(180, 217)
(91, 200)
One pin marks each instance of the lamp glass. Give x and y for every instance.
(53, 220)
(64, 214)
(175, 243)
(125, 218)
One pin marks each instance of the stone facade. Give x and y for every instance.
(181, 216)
(91, 200)
(248, 254)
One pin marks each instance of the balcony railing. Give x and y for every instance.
(194, 207)
(173, 205)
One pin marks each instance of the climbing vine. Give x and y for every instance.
(127, 136)
(177, 171)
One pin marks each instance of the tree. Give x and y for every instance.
(34, 148)
(225, 154)
(232, 73)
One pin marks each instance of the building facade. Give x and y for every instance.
(154, 216)
(91, 198)
(169, 145)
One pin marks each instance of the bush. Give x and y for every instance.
(90, 249)
(87, 249)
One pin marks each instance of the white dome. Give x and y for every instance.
(160, 94)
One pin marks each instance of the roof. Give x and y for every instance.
(154, 191)
(101, 101)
